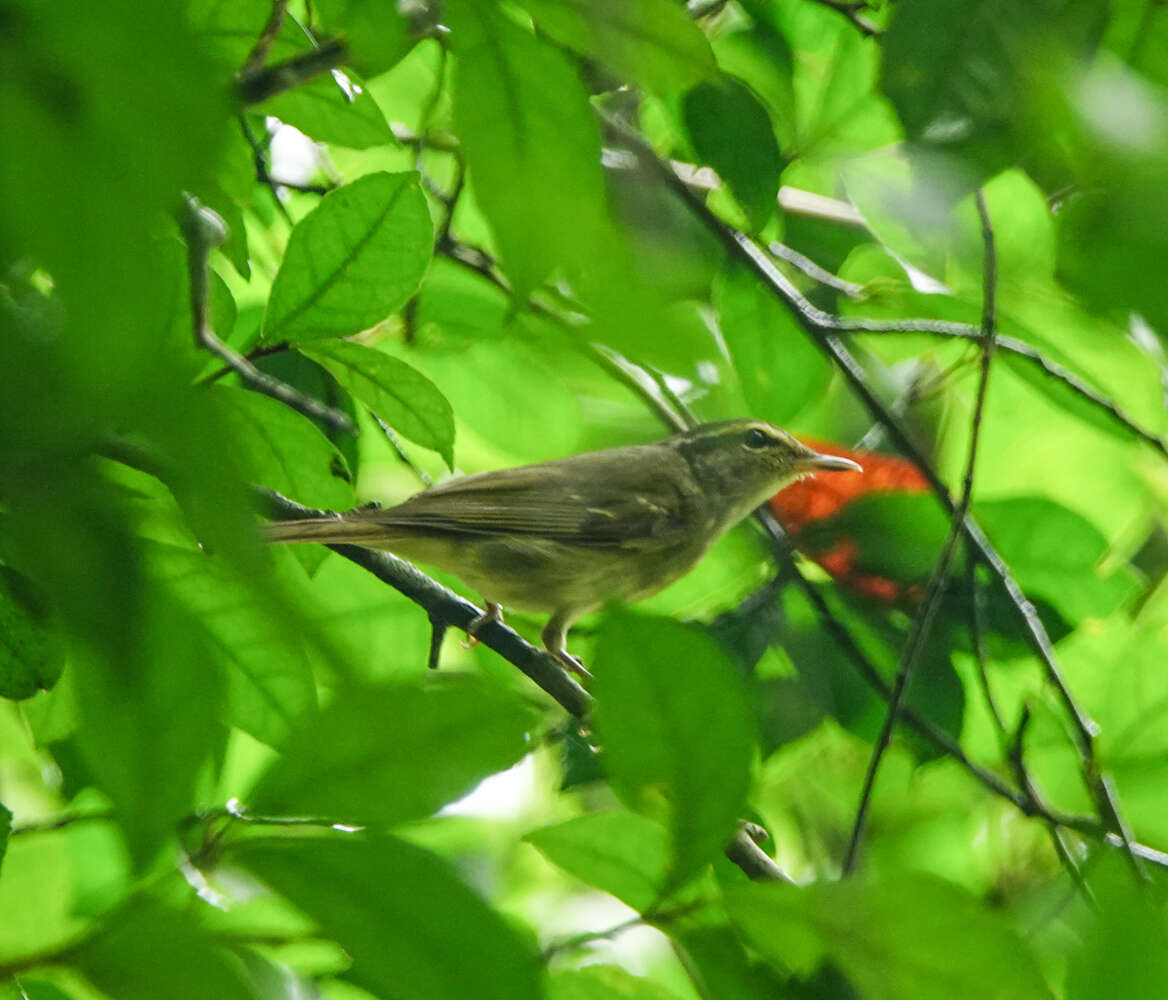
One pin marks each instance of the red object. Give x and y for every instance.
(818, 498)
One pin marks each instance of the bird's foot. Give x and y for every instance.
(493, 615)
(572, 664)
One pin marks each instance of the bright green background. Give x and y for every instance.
(469, 261)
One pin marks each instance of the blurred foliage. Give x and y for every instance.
(226, 771)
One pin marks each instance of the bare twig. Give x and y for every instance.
(815, 272)
(940, 577)
(204, 230)
(259, 53)
(261, 84)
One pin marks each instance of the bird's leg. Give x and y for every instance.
(554, 635)
(493, 614)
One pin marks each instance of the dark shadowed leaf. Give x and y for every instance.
(412, 928)
(32, 653)
(352, 261)
(732, 132)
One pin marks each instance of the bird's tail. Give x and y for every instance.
(326, 530)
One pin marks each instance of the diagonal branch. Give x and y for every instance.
(823, 333)
(203, 230)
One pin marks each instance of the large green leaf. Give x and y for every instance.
(620, 852)
(651, 42)
(531, 142)
(673, 716)
(893, 939)
(269, 682)
(149, 951)
(329, 111)
(963, 75)
(149, 724)
(780, 368)
(732, 132)
(396, 392)
(280, 449)
(32, 654)
(352, 261)
(1055, 553)
(376, 34)
(383, 755)
(412, 929)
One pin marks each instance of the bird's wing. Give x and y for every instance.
(618, 506)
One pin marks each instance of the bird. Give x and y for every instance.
(563, 537)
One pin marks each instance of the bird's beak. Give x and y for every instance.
(823, 463)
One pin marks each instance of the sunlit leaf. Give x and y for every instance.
(352, 261)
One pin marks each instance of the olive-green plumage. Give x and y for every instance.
(564, 536)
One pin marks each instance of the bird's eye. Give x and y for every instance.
(756, 438)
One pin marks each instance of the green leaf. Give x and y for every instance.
(963, 75)
(384, 755)
(604, 982)
(1055, 553)
(620, 852)
(352, 261)
(673, 716)
(649, 42)
(5, 830)
(32, 653)
(410, 925)
(732, 132)
(531, 142)
(893, 939)
(326, 111)
(148, 724)
(376, 34)
(779, 367)
(149, 951)
(269, 682)
(396, 392)
(279, 448)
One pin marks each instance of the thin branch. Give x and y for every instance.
(648, 389)
(1012, 345)
(743, 248)
(447, 608)
(1017, 758)
(936, 589)
(261, 84)
(259, 53)
(753, 860)
(815, 272)
(204, 230)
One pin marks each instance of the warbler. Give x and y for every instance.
(562, 537)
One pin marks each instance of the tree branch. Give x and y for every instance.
(940, 578)
(204, 230)
(822, 328)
